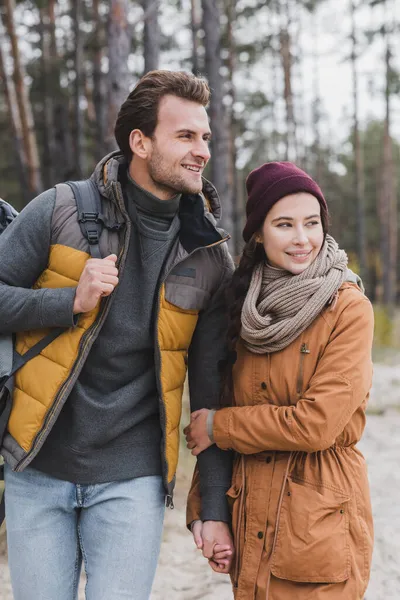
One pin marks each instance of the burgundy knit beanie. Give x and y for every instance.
(271, 182)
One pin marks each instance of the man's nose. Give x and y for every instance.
(202, 150)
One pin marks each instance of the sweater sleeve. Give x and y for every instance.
(24, 251)
(207, 349)
(338, 388)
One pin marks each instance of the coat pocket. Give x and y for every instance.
(186, 297)
(313, 535)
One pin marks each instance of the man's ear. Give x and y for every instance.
(139, 144)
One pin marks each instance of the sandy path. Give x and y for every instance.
(184, 575)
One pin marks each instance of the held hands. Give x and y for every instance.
(196, 432)
(98, 279)
(215, 540)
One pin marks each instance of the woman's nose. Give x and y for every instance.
(301, 236)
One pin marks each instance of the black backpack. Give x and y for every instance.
(88, 201)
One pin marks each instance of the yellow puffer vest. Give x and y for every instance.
(44, 383)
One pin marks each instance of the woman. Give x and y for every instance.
(301, 336)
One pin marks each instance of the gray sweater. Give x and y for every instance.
(109, 429)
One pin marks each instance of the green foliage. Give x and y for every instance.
(384, 327)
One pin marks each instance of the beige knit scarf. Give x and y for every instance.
(279, 306)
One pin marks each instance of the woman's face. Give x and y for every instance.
(292, 233)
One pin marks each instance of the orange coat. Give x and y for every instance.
(301, 512)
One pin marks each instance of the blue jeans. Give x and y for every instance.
(52, 524)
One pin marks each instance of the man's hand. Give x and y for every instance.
(98, 279)
(216, 537)
(196, 432)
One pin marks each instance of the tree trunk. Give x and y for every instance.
(387, 199)
(24, 105)
(151, 35)
(195, 25)
(237, 207)
(98, 82)
(119, 44)
(286, 57)
(80, 167)
(64, 153)
(285, 48)
(316, 112)
(48, 101)
(219, 125)
(15, 125)
(358, 160)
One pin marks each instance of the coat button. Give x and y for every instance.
(263, 385)
(289, 493)
(260, 535)
(268, 460)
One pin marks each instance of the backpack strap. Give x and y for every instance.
(21, 359)
(90, 219)
(2, 502)
(7, 214)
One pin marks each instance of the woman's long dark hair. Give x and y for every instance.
(253, 253)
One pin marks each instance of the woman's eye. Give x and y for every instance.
(313, 223)
(284, 225)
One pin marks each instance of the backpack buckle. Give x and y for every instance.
(92, 236)
(89, 217)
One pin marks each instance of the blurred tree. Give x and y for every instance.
(194, 27)
(80, 158)
(359, 187)
(151, 35)
(387, 197)
(220, 127)
(99, 95)
(14, 126)
(48, 153)
(286, 54)
(119, 45)
(31, 153)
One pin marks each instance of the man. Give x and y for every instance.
(92, 441)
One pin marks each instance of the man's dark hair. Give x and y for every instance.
(140, 109)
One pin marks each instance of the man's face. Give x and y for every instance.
(179, 147)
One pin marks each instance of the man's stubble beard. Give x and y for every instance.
(165, 180)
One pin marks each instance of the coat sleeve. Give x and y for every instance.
(24, 251)
(193, 507)
(207, 349)
(340, 385)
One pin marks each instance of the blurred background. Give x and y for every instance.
(316, 82)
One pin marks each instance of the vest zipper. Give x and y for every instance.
(303, 352)
(169, 500)
(86, 338)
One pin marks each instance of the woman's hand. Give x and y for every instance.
(219, 555)
(196, 432)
